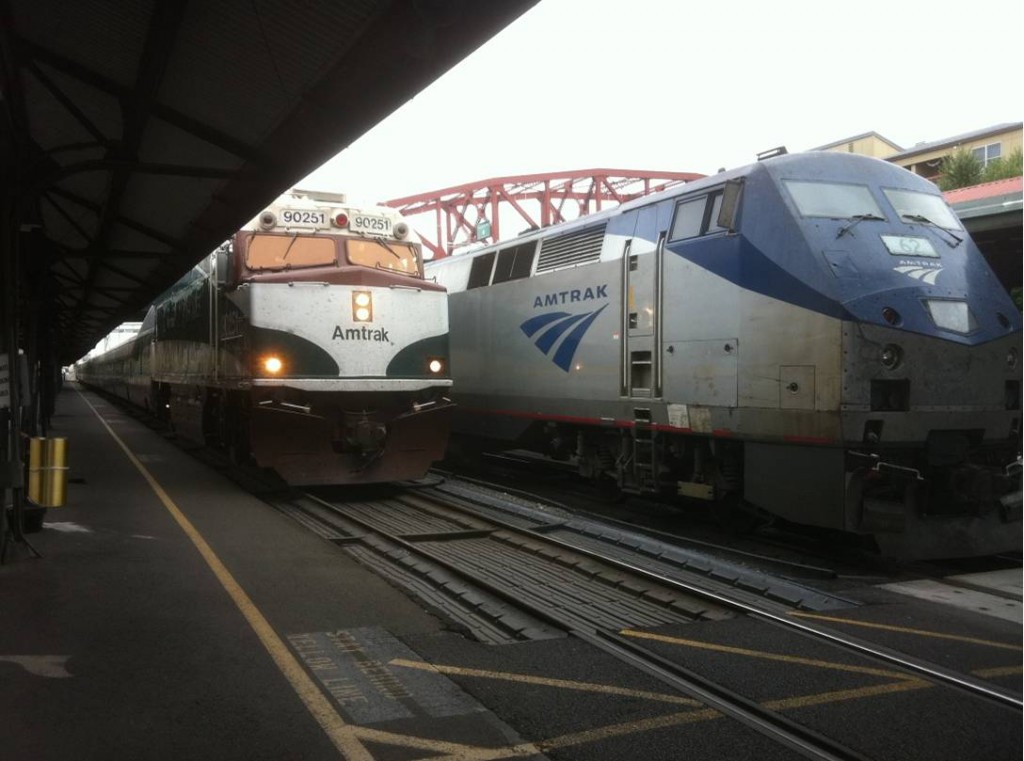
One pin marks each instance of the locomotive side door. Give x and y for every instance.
(641, 308)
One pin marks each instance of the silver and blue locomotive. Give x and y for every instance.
(310, 342)
(814, 335)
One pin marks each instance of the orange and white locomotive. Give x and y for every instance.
(310, 342)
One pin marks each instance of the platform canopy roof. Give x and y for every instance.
(136, 136)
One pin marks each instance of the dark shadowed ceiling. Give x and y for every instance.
(136, 135)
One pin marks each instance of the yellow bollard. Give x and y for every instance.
(48, 471)
(35, 469)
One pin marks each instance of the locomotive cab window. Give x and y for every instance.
(697, 216)
(277, 252)
(385, 255)
(833, 200)
(922, 207)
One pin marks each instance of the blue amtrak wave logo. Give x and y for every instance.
(552, 326)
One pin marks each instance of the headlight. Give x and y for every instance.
(1011, 358)
(891, 356)
(362, 306)
(272, 365)
(436, 366)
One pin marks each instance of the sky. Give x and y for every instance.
(672, 85)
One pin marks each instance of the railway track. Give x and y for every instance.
(790, 550)
(507, 570)
(791, 563)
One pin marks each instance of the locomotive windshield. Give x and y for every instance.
(835, 200)
(922, 207)
(276, 252)
(265, 251)
(384, 254)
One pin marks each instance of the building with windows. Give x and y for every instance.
(988, 144)
(925, 159)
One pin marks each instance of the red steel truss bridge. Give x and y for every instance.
(473, 213)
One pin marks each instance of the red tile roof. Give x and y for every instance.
(985, 190)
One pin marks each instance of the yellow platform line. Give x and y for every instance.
(451, 750)
(699, 714)
(341, 734)
(762, 655)
(631, 727)
(998, 671)
(562, 684)
(839, 696)
(906, 630)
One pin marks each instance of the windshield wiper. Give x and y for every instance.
(390, 250)
(857, 219)
(291, 243)
(925, 220)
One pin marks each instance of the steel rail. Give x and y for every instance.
(900, 660)
(794, 735)
(803, 569)
(765, 721)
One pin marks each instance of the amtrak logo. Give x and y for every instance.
(559, 332)
(560, 298)
(923, 272)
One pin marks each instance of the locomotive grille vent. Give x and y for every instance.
(580, 247)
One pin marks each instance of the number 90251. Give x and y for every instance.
(367, 223)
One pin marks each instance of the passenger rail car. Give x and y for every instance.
(310, 342)
(814, 335)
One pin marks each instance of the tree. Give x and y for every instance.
(1004, 167)
(960, 169)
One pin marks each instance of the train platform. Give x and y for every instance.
(172, 615)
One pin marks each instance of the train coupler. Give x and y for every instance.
(964, 511)
(362, 436)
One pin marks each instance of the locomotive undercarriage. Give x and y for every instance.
(643, 460)
(953, 497)
(943, 479)
(318, 438)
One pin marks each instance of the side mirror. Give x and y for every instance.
(222, 266)
(730, 204)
